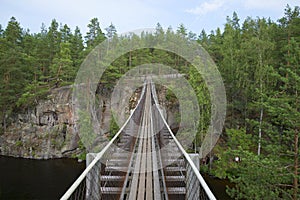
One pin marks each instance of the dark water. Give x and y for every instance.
(218, 187)
(49, 179)
(36, 179)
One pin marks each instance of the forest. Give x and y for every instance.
(259, 60)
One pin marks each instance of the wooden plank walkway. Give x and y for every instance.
(144, 179)
(141, 185)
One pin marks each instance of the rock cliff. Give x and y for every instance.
(49, 130)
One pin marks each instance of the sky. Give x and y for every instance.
(129, 15)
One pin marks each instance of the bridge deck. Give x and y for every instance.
(135, 165)
(142, 186)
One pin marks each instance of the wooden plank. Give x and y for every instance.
(111, 178)
(141, 190)
(149, 194)
(176, 190)
(131, 163)
(142, 182)
(175, 178)
(135, 179)
(111, 190)
(156, 184)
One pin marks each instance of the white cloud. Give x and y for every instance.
(207, 7)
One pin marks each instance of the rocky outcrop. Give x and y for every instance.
(47, 131)
(50, 130)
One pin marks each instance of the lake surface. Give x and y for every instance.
(49, 179)
(37, 179)
(218, 187)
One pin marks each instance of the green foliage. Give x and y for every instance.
(113, 128)
(82, 155)
(111, 31)
(259, 63)
(19, 143)
(170, 96)
(256, 177)
(32, 93)
(95, 35)
(62, 68)
(238, 140)
(87, 134)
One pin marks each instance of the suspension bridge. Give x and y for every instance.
(144, 160)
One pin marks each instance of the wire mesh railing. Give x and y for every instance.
(182, 176)
(103, 178)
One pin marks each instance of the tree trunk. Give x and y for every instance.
(259, 131)
(260, 117)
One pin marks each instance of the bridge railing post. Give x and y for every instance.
(192, 183)
(93, 178)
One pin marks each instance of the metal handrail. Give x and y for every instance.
(99, 155)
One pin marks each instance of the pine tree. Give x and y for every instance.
(95, 35)
(289, 106)
(62, 69)
(53, 39)
(257, 43)
(290, 78)
(111, 31)
(182, 30)
(1, 31)
(65, 33)
(12, 76)
(231, 69)
(42, 53)
(37, 51)
(76, 47)
(158, 30)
